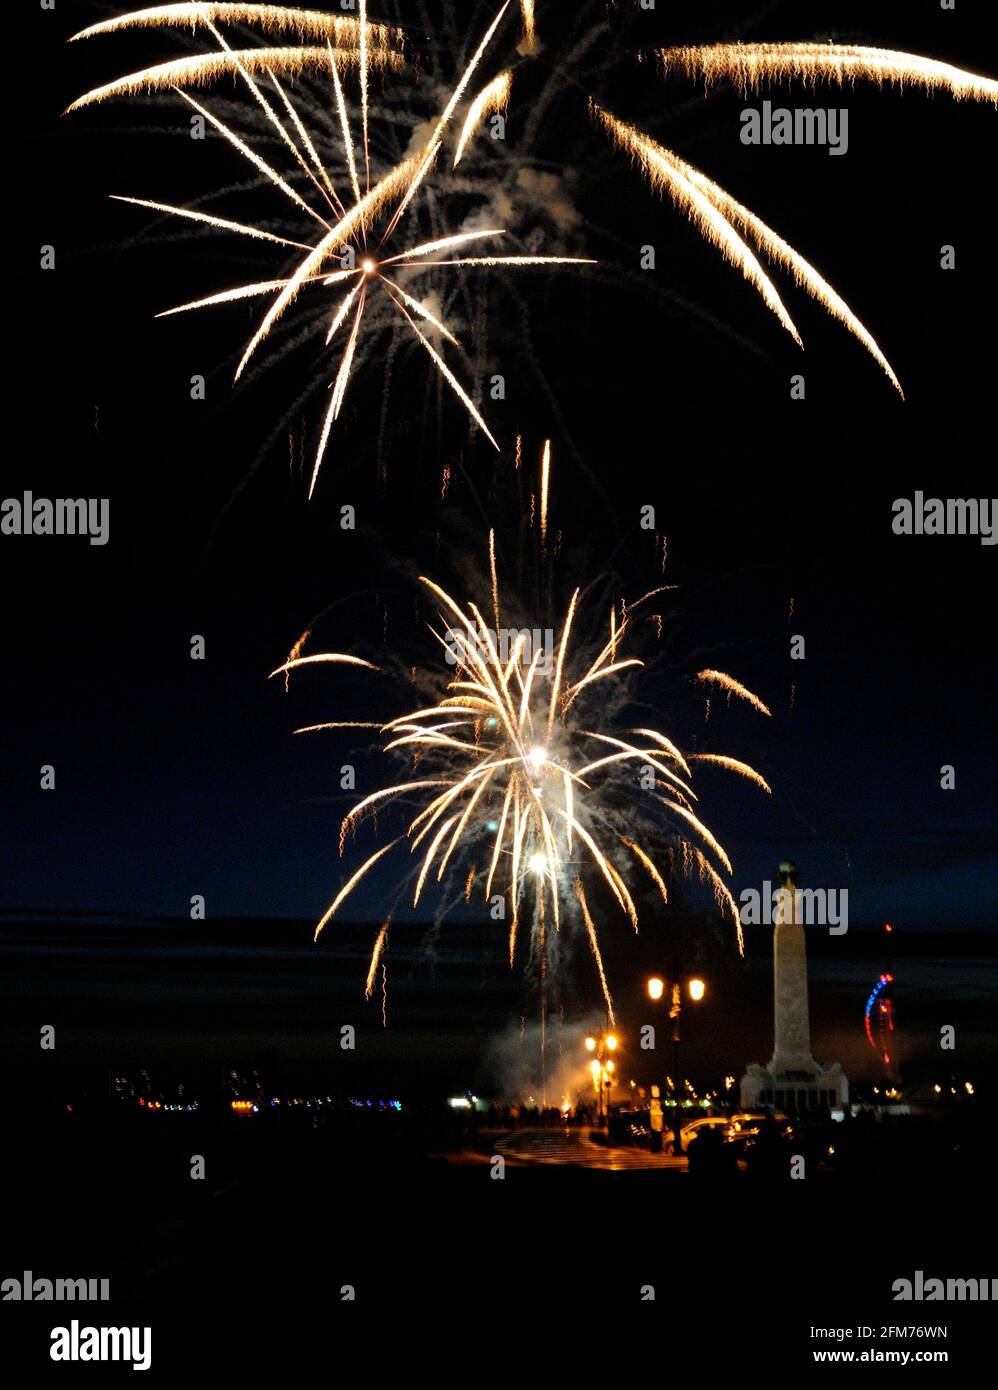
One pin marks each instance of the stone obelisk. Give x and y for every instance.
(791, 1022)
(793, 1080)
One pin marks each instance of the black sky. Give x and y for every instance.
(176, 777)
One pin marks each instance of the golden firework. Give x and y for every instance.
(750, 64)
(363, 270)
(506, 775)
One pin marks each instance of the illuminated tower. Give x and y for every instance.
(793, 1080)
(791, 1018)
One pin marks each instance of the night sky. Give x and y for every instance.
(668, 388)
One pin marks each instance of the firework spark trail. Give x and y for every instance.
(225, 297)
(336, 723)
(662, 170)
(545, 481)
(328, 192)
(294, 654)
(490, 100)
(364, 59)
(221, 223)
(806, 276)
(733, 687)
(203, 69)
(466, 77)
(340, 385)
(271, 19)
(254, 158)
(432, 146)
(336, 658)
(339, 318)
(421, 309)
(733, 765)
(722, 894)
(649, 864)
(270, 113)
(351, 883)
(494, 578)
(341, 108)
(749, 64)
(628, 751)
(452, 381)
(510, 260)
(375, 958)
(441, 244)
(529, 25)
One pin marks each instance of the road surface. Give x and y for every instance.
(574, 1149)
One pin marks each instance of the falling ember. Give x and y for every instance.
(529, 26)
(733, 765)
(805, 275)
(294, 654)
(379, 946)
(723, 220)
(594, 944)
(733, 687)
(545, 482)
(666, 175)
(722, 895)
(494, 578)
(749, 64)
(649, 865)
(490, 100)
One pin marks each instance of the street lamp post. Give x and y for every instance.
(602, 1066)
(696, 989)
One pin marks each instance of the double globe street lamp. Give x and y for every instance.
(602, 1068)
(696, 989)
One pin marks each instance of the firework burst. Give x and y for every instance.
(350, 206)
(365, 267)
(525, 779)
